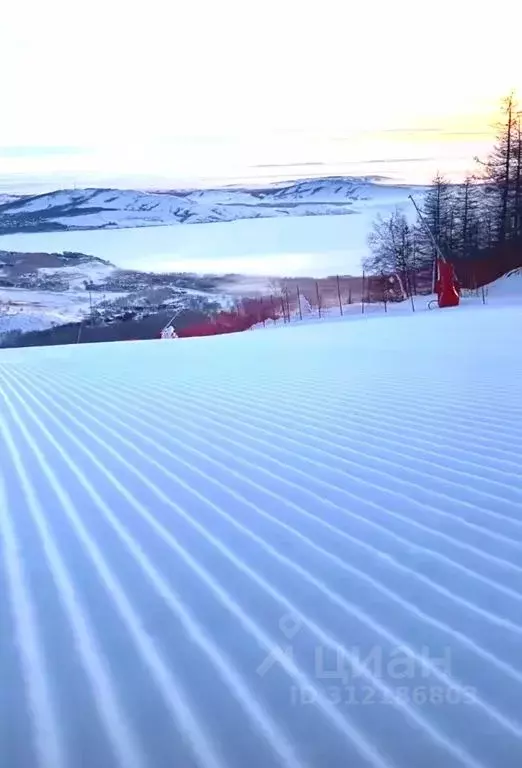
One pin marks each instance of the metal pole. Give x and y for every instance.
(339, 294)
(428, 230)
(437, 247)
(299, 303)
(283, 308)
(174, 316)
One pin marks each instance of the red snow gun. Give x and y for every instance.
(446, 286)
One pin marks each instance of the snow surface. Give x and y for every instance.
(25, 309)
(312, 245)
(292, 548)
(507, 287)
(76, 276)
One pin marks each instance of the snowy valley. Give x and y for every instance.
(45, 290)
(145, 256)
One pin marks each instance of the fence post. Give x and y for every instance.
(384, 297)
(283, 308)
(339, 294)
(318, 298)
(299, 303)
(483, 295)
(287, 305)
(362, 294)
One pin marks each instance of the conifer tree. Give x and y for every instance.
(501, 175)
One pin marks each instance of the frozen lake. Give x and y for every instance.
(293, 246)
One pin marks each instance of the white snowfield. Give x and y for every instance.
(298, 548)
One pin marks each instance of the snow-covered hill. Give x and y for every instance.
(4, 199)
(507, 288)
(45, 290)
(287, 549)
(115, 208)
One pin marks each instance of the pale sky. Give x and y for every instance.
(190, 83)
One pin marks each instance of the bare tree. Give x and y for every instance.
(392, 250)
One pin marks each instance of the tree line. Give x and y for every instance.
(465, 220)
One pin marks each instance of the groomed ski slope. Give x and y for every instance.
(299, 547)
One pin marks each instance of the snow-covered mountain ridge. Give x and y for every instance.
(73, 209)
